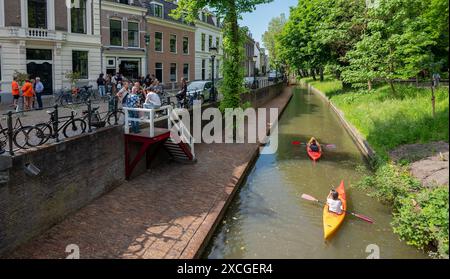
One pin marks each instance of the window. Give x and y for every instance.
(123, 2)
(186, 71)
(210, 42)
(217, 43)
(133, 34)
(185, 45)
(158, 41)
(37, 14)
(0, 65)
(39, 54)
(159, 71)
(158, 10)
(78, 18)
(173, 72)
(204, 17)
(80, 63)
(203, 69)
(173, 43)
(115, 31)
(203, 42)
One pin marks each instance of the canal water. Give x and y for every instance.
(269, 220)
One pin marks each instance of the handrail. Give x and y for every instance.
(173, 122)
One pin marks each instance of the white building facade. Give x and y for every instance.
(49, 38)
(208, 34)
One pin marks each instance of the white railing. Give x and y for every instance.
(38, 33)
(183, 131)
(150, 116)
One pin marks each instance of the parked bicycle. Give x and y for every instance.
(70, 127)
(64, 97)
(21, 135)
(84, 94)
(99, 121)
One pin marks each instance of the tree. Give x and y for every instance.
(269, 39)
(233, 42)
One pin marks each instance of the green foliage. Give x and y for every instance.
(388, 121)
(365, 43)
(269, 39)
(232, 86)
(421, 216)
(21, 77)
(73, 77)
(422, 220)
(390, 182)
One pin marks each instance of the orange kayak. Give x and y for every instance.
(312, 154)
(332, 221)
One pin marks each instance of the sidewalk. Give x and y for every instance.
(166, 213)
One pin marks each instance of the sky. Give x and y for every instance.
(258, 21)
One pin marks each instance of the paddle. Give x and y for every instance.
(328, 146)
(362, 217)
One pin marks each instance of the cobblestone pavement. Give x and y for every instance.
(166, 213)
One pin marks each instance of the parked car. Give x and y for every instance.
(249, 81)
(273, 75)
(202, 88)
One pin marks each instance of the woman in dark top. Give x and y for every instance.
(101, 85)
(182, 93)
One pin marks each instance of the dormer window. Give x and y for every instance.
(158, 10)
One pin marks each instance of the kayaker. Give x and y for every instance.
(334, 203)
(314, 146)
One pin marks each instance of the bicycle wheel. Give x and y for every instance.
(35, 137)
(44, 133)
(3, 139)
(74, 128)
(20, 137)
(120, 118)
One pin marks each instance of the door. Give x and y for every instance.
(45, 72)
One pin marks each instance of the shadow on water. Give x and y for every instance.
(268, 218)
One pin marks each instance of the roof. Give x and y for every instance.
(168, 7)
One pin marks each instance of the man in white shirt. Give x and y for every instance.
(152, 101)
(334, 203)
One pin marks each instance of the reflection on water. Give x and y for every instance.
(268, 219)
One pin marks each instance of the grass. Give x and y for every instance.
(387, 120)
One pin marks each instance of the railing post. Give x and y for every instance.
(152, 123)
(10, 133)
(116, 108)
(89, 107)
(56, 123)
(127, 122)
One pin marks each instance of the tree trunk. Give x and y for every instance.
(433, 101)
(313, 73)
(391, 82)
(321, 74)
(369, 85)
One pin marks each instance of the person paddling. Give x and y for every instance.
(334, 203)
(314, 146)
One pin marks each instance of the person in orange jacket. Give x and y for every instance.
(28, 94)
(15, 92)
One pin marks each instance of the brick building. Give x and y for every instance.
(123, 32)
(171, 53)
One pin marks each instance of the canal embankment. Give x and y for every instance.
(167, 212)
(382, 123)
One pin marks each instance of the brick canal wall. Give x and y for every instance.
(72, 174)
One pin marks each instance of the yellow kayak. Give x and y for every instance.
(332, 221)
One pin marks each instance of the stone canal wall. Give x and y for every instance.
(72, 174)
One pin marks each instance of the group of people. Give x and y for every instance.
(114, 83)
(140, 94)
(32, 90)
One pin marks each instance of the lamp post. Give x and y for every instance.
(255, 58)
(213, 51)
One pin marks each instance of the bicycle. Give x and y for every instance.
(71, 127)
(99, 122)
(64, 97)
(20, 135)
